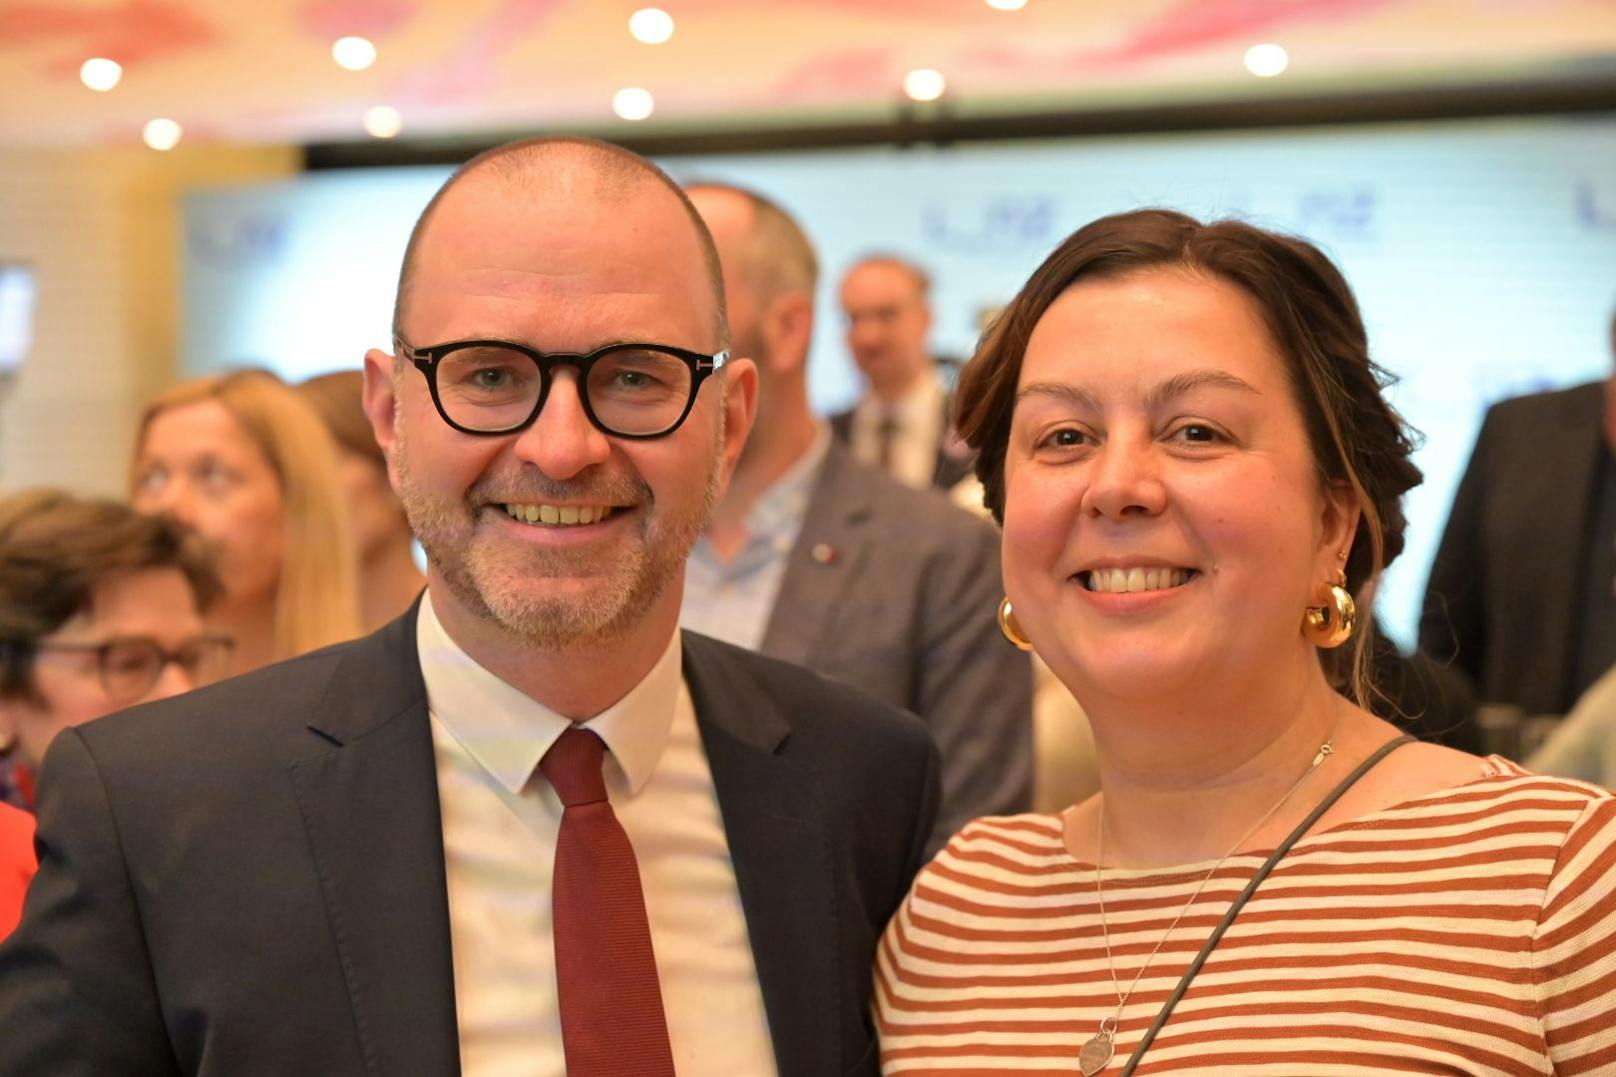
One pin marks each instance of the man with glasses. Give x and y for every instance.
(530, 827)
(100, 609)
(901, 423)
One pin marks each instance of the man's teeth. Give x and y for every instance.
(558, 515)
(1119, 580)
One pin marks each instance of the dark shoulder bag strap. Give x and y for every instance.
(1245, 895)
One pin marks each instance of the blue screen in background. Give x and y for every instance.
(17, 297)
(1483, 254)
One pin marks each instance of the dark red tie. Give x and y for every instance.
(611, 1003)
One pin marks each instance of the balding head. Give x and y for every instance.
(759, 242)
(562, 171)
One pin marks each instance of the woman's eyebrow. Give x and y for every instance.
(1060, 391)
(1175, 386)
(1181, 384)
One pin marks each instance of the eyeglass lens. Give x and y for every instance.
(131, 667)
(632, 391)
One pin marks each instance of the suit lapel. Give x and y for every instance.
(822, 565)
(781, 856)
(369, 799)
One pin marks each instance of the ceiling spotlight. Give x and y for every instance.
(383, 121)
(353, 53)
(924, 84)
(162, 134)
(1007, 5)
(101, 74)
(1266, 61)
(651, 25)
(633, 103)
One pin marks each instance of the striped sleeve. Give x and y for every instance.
(1575, 946)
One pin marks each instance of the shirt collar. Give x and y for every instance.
(917, 404)
(780, 510)
(507, 731)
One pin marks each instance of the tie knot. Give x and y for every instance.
(572, 766)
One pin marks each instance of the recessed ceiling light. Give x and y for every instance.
(924, 84)
(162, 134)
(353, 53)
(1007, 5)
(1266, 61)
(633, 103)
(100, 73)
(651, 25)
(383, 121)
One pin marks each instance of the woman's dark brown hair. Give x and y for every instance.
(56, 547)
(1356, 437)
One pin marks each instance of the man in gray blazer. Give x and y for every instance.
(817, 559)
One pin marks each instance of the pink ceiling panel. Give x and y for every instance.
(331, 19)
(132, 33)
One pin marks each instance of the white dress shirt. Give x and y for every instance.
(918, 416)
(500, 822)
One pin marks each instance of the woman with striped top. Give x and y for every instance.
(1181, 430)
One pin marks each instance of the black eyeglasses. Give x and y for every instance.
(628, 390)
(130, 666)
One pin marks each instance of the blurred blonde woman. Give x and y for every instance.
(244, 461)
(389, 578)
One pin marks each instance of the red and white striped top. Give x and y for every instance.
(1469, 931)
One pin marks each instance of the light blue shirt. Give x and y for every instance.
(732, 600)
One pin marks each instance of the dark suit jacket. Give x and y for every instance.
(895, 591)
(950, 468)
(1505, 588)
(250, 879)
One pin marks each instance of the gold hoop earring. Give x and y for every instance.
(1011, 627)
(1331, 625)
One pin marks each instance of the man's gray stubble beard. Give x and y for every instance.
(483, 583)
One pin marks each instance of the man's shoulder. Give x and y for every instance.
(924, 515)
(265, 714)
(810, 703)
(1533, 408)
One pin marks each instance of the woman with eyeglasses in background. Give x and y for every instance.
(250, 466)
(100, 608)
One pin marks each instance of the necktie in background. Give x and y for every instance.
(611, 1002)
(886, 434)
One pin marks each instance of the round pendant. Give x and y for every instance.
(1095, 1055)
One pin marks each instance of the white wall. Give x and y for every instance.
(101, 230)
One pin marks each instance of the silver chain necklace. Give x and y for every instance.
(1096, 1053)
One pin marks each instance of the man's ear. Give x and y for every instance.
(381, 403)
(787, 329)
(740, 409)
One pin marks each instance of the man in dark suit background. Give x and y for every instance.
(901, 424)
(528, 827)
(817, 559)
(1521, 595)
